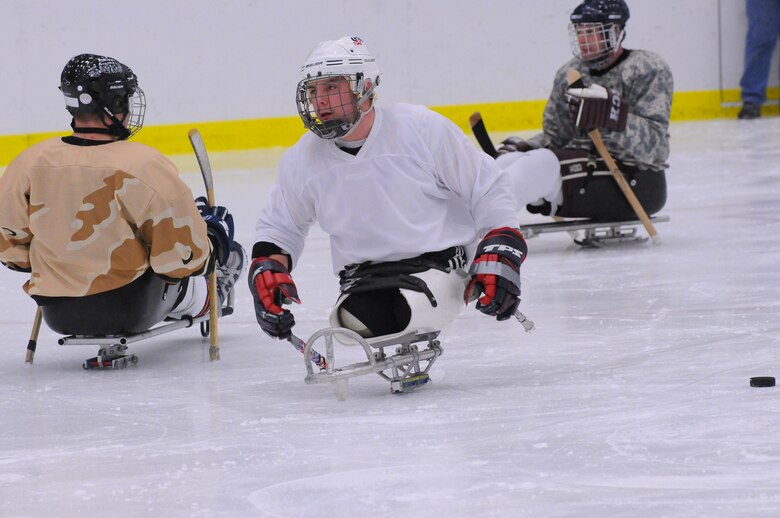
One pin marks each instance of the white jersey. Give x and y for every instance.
(417, 185)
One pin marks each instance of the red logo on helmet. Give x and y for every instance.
(357, 41)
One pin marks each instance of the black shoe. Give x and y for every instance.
(750, 111)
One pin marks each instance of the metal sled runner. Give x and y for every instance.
(113, 348)
(596, 233)
(406, 369)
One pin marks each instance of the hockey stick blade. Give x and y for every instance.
(199, 147)
(481, 134)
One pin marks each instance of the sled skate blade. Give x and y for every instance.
(410, 383)
(596, 233)
(406, 368)
(111, 357)
(112, 347)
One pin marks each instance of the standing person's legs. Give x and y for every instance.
(763, 16)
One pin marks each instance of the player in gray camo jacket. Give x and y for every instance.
(627, 95)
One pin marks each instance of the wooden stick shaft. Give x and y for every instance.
(572, 76)
(213, 301)
(595, 136)
(202, 156)
(33, 343)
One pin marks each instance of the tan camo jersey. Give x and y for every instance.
(88, 219)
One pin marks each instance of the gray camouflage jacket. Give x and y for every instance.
(644, 80)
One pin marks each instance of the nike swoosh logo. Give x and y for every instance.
(9, 231)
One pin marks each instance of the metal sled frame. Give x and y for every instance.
(403, 369)
(113, 348)
(596, 233)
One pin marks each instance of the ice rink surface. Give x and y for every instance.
(630, 399)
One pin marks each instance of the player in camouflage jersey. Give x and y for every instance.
(627, 95)
(107, 230)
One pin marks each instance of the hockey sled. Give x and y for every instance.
(113, 348)
(404, 361)
(595, 233)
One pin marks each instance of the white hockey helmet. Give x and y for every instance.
(347, 57)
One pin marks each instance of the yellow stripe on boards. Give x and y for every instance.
(285, 131)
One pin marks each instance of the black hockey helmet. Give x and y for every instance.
(597, 30)
(100, 84)
(601, 11)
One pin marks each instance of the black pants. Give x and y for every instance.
(133, 308)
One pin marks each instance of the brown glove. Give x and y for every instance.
(512, 144)
(596, 107)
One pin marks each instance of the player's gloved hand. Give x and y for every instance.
(272, 286)
(594, 107)
(495, 273)
(512, 144)
(219, 223)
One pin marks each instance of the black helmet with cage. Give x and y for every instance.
(596, 31)
(102, 85)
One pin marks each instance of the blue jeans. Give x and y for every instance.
(763, 28)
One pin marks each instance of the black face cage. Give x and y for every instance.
(327, 129)
(136, 111)
(595, 43)
(111, 99)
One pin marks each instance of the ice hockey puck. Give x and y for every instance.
(762, 381)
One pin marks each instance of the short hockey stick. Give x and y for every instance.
(483, 138)
(481, 134)
(595, 135)
(33, 343)
(199, 147)
(316, 358)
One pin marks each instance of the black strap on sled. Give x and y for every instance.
(364, 277)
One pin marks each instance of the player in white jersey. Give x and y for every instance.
(404, 197)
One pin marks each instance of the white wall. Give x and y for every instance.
(203, 60)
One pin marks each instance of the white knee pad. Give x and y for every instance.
(534, 174)
(447, 289)
(194, 301)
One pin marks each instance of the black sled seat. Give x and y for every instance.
(131, 309)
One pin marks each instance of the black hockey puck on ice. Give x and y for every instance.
(762, 381)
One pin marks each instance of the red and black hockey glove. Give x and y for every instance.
(495, 273)
(596, 107)
(272, 286)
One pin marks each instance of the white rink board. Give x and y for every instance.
(199, 60)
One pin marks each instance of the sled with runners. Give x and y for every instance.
(113, 348)
(404, 361)
(595, 234)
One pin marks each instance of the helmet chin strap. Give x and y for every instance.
(355, 124)
(360, 113)
(116, 128)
